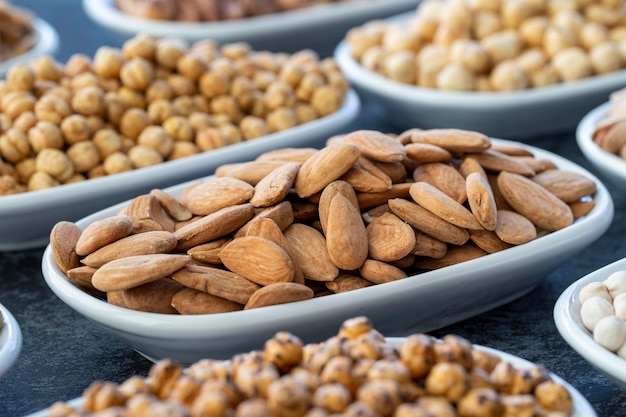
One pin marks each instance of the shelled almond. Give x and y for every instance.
(609, 133)
(324, 230)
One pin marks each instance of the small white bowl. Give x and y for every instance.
(581, 408)
(569, 325)
(312, 27)
(611, 167)
(10, 340)
(47, 44)
(27, 218)
(515, 115)
(425, 302)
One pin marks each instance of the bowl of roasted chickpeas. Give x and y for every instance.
(506, 68)
(591, 316)
(601, 138)
(24, 36)
(151, 113)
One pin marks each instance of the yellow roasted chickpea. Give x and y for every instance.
(326, 99)
(55, 163)
(455, 77)
(46, 68)
(179, 128)
(108, 141)
(169, 51)
(75, 129)
(554, 397)
(116, 163)
(605, 58)
(51, 108)
(15, 103)
(305, 113)
(133, 122)
(141, 45)
(253, 127)
(78, 64)
(572, 64)
(25, 121)
(89, 101)
(449, 380)
(108, 61)
(181, 85)
(14, 145)
(20, 77)
(25, 169)
(471, 54)
(156, 138)
(45, 135)
(142, 156)
(84, 155)
(159, 90)
(227, 105)
(183, 149)
(214, 83)
(160, 110)
(279, 94)
(509, 75)
(282, 118)
(136, 73)
(41, 180)
(192, 65)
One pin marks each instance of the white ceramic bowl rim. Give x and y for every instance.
(10, 340)
(175, 325)
(47, 43)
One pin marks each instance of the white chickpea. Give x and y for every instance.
(532, 60)
(610, 333)
(400, 38)
(514, 12)
(557, 39)
(434, 54)
(568, 19)
(593, 310)
(592, 34)
(533, 29)
(602, 14)
(619, 305)
(616, 283)
(617, 33)
(605, 58)
(572, 64)
(470, 54)
(430, 9)
(424, 28)
(456, 14)
(455, 77)
(486, 23)
(594, 289)
(555, 6)
(427, 75)
(373, 59)
(447, 34)
(502, 45)
(401, 66)
(485, 5)
(509, 76)
(621, 47)
(360, 41)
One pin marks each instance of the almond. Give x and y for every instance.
(428, 246)
(566, 185)
(376, 145)
(496, 161)
(453, 140)
(273, 188)
(394, 170)
(139, 244)
(488, 241)
(249, 172)
(534, 202)
(63, 239)
(215, 281)
(102, 232)
(279, 293)
(481, 201)
(389, 238)
(147, 214)
(455, 255)
(514, 228)
(370, 200)
(470, 165)
(209, 252)
(81, 276)
(346, 282)
(324, 167)
(258, 259)
(328, 193)
(444, 177)
(208, 196)
(309, 249)
(190, 301)
(380, 272)
(366, 177)
(427, 153)
(287, 154)
(440, 204)
(346, 237)
(174, 208)
(153, 297)
(133, 271)
(581, 208)
(281, 213)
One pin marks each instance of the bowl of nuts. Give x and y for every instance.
(325, 234)
(591, 316)
(275, 24)
(10, 340)
(507, 69)
(151, 113)
(599, 138)
(24, 37)
(349, 373)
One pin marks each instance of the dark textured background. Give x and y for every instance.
(63, 352)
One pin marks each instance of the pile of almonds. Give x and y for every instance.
(295, 223)
(210, 10)
(356, 373)
(150, 101)
(17, 34)
(495, 45)
(609, 133)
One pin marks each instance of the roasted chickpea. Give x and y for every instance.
(572, 64)
(213, 84)
(116, 163)
(282, 118)
(136, 73)
(554, 397)
(141, 45)
(25, 121)
(17, 102)
(449, 380)
(133, 122)
(14, 145)
(155, 137)
(169, 51)
(605, 58)
(509, 76)
(75, 129)
(45, 135)
(55, 163)
(20, 77)
(41, 180)
(78, 64)
(89, 101)
(455, 77)
(183, 150)
(46, 68)
(480, 402)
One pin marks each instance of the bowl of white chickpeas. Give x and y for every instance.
(590, 315)
(509, 69)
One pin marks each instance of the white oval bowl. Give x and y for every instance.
(426, 301)
(611, 167)
(47, 44)
(277, 31)
(515, 115)
(10, 341)
(581, 407)
(569, 324)
(27, 218)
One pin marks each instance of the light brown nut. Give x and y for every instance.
(325, 166)
(488, 241)
(174, 208)
(501, 202)
(581, 208)
(258, 259)
(346, 237)
(428, 246)
(511, 149)
(190, 301)
(63, 239)
(213, 226)
(495, 161)
(566, 185)
(481, 200)
(81, 276)
(215, 281)
(102, 232)
(250, 172)
(153, 297)
(455, 255)
(115, 298)
(444, 177)
(328, 193)
(210, 195)
(282, 213)
(427, 153)
(346, 282)
(514, 228)
(394, 170)
(427, 222)
(139, 244)
(537, 165)
(380, 272)
(389, 238)
(310, 252)
(534, 202)
(377, 146)
(275, 186)
(366, 177)
(147, 214)
(279, 293)
(370, 200)
(209, 252)
(133, 271)
(470, 165)
(435, 201)
(453, 140)
(287, 154)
